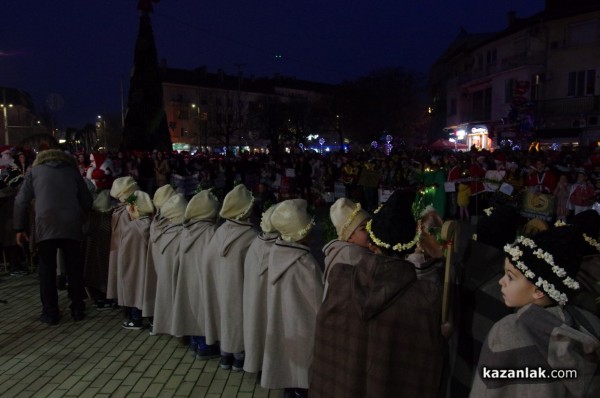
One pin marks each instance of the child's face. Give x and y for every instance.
(517, 290)
(360, 236)
(562, 179)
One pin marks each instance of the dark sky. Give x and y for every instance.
(81, 50)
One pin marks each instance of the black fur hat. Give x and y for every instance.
(550, 260)
(393, 225)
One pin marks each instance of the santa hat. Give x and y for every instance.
(265, 223)
(203, 206)
(237, 204)
(5, 149)
(292, 220)
(98, 158)
(346, 216)
(174, 208)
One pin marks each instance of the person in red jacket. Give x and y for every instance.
(582, 193)
(100, 171)
(540, 178)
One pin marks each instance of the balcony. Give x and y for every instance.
(566, 106)
(512, 62)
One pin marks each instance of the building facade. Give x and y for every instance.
(537, 80)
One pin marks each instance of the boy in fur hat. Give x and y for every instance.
(134, 249)
(159, 223)
(546, 333)
(379, 324)
(166, 264)
(395, 299)
(294, 294)
(122, 188)
(224, 270)
(188, 314)
(256, 277)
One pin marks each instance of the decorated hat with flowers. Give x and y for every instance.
(265, 222)
(292, 220)
(162, 195)
(123, 187)
(237, 204)
(393, 225)
(550, 260)
(140, 204)
(202, 206)
(174, 208)
(498, 225)
(346, 216)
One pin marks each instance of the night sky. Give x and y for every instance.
(80, 51)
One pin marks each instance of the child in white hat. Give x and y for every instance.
(167, 264)
(224, 271)
(159, 223)
(256, 277)
(349, 220)
(121, 189)
(133, 267)
(188, 313)
(294, 294)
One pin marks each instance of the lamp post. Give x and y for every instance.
(5, 119)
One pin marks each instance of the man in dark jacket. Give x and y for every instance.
(61, 199)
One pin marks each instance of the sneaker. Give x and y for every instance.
(132, 325)
(106, 305)
(238, 365)
(151, 329)
(226, 361)
(208, 352)
(49, 319)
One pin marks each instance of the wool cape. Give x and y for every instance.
(378, 332)
(166, 265)
(256, 277)
(119, 221)
(188, 314)
(294, 295)
(547, 338)
(157, 227)
(132, 268)
(225, 258)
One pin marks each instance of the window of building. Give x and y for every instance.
(453, 106)
(490, 57)
(482, 104)
(582, 33)
(520, 45)
(509, 90)
(581, 83)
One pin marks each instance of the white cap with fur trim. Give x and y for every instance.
(237, 204)
(102, 201)
(292, 220)
(265, 223)
(142, 206)
(174, 208)
(202, 206)
(346, 216)
(162, 195)
(123, 187)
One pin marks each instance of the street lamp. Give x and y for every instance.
(5, 118)
(198, 118)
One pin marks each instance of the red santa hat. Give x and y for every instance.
(98, 158)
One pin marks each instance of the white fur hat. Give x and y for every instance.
(292, 220)
(163, 194)
(142, 206)
(265, 222)
(123, 187)
(202, 206)
(346, 216)
(174, 208)
(102, 201)
(237, 204)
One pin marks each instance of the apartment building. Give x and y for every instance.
(537, 80)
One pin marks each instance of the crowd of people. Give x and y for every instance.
(391, 312)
